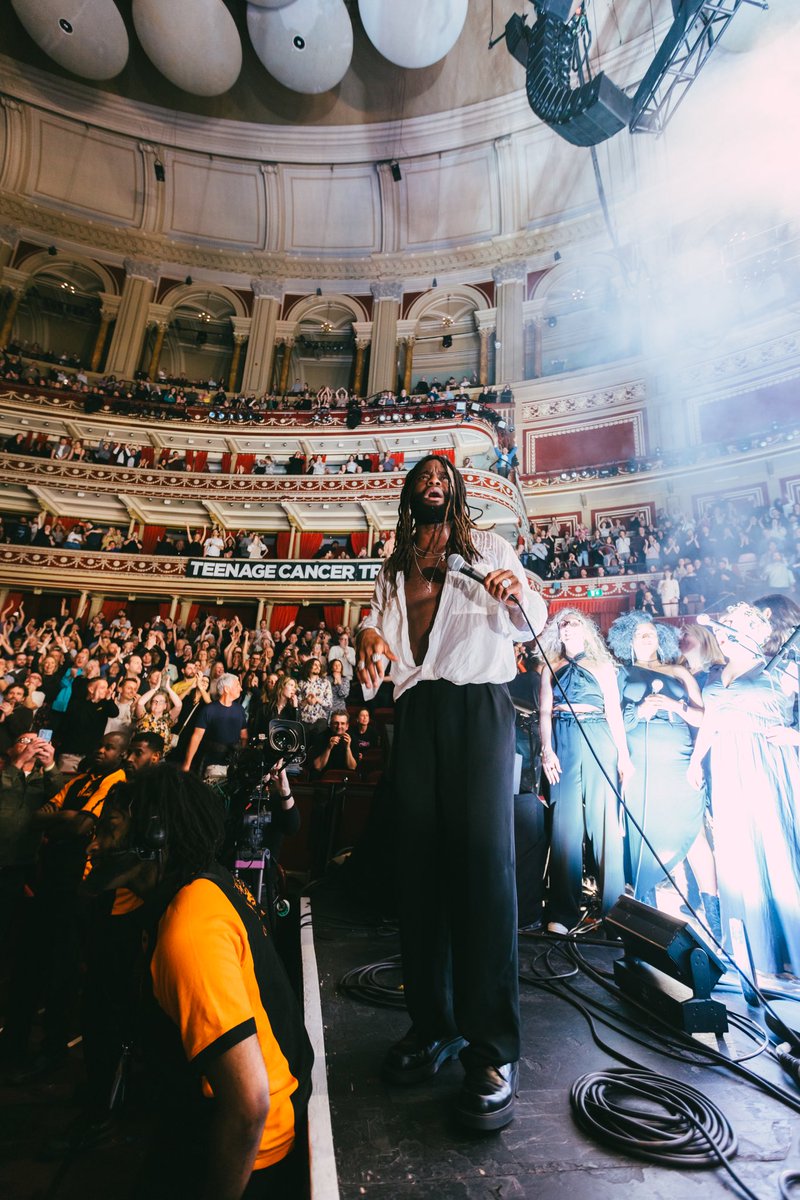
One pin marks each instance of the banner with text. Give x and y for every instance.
(324, 570)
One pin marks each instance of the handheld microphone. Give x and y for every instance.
(456, 562)
(710, 622)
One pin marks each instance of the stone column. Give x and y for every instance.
(260, 358)
(109, 309)
(173, 608)
(485, 322)
(161, 328)
(8, 240)
(510, 280)
(346, 614)
(239, 340)
(363, 335)
(408, 362)
(259, 612)
(16, 282)
(288, 344)
(383, 360)
(95, 604)
(127, 342)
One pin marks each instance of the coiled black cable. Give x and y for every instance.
(367, 984)
(655, 1118)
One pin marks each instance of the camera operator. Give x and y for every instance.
(334, 751)
(221, 1026)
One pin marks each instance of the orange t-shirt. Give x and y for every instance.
(204, 979)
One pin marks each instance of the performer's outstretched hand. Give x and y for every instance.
(370, 648)
(504, 586)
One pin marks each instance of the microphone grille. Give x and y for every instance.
(455, 562)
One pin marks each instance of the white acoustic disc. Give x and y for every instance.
(306, 46)
(413, 33)
(87, 37)
(194, 43)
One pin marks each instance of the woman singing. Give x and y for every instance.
(755, 779)
(582, 799)
(660, 701)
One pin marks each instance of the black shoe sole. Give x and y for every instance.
(419, 1074)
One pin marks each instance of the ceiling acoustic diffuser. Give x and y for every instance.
(306, 45)
(414, 33)
(194, 43)
(87, 37)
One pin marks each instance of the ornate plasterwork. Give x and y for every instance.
(246, 264)
(387, 291)
(743, 368)
(141, 269)
(634, 392)
(512, 272)
(269, 289)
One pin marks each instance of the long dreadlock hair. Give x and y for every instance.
(191, 815)
(456, 515)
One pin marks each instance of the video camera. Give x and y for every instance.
(285, 743)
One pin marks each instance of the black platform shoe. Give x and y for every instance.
(488, 1097)
(411, 1060)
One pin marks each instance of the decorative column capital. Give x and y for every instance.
(141, 269)
(268, 289)
(387, 291)
(9, 234)
(515, 272)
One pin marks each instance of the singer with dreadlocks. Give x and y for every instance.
(450, 638)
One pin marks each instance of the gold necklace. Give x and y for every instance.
(420, 554)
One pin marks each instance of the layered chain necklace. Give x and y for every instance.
(438, 558)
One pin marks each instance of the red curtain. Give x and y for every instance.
(309, 544)
(282, 545)
(358, 542)
(148, 455)
(333, 614)
(189, 457)
(244, 463)
(447, 452)
(282, 615)
(225, 463)
(150, 536)
(110, 608)
(200, 460)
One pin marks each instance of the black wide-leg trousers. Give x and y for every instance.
(452, 774)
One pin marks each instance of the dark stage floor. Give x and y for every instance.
(397, 1143)
(401, 1144)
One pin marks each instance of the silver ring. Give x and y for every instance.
(506, 583)
(376, 658)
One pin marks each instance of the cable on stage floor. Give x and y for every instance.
(650, 1116)
(366, 984)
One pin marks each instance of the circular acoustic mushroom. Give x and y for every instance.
(306, 46)
(415, 33)
(194, 43)
(87, 37)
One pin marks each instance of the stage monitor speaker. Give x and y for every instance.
(663, 941)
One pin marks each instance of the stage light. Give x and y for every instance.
(667, 967)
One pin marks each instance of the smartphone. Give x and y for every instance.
(46, 735)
